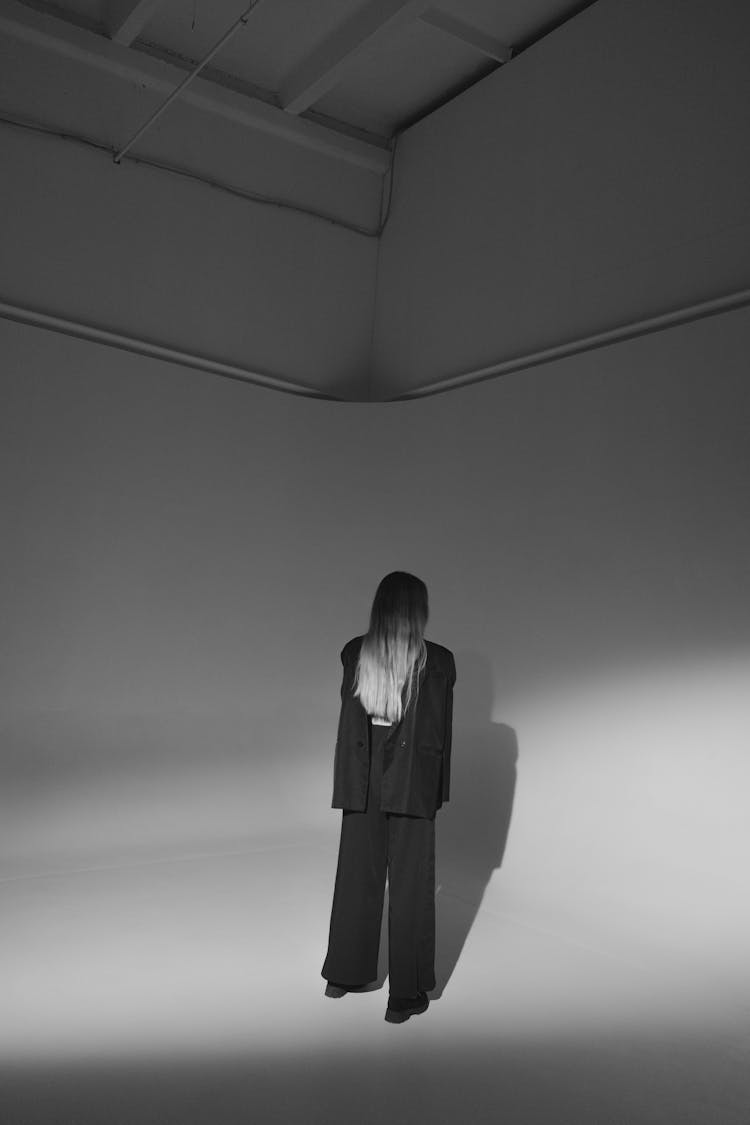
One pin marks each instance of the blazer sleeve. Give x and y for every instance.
(448, 731)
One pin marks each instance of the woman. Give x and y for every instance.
(391, 774)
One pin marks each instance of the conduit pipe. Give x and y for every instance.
(633, 329)
(239, 22)
(685, 315)
(155, 351)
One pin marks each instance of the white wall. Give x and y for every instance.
(601, 177)
(184, 558)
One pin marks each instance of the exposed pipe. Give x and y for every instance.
(138, 346)
(685, 315)
(241, 21)
(629, 331)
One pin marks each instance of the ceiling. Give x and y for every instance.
(293, 105)
(364, 69)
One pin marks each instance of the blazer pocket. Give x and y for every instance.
(427, 748)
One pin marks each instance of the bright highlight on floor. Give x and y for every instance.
(132, 985)
(598, 975)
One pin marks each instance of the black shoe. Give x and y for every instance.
(339, 990)
(400, 1008)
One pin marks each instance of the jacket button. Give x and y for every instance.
(360, 742)
(403, 742)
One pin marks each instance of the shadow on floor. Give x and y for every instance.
(472, 828)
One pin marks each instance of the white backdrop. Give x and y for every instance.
(184, 558)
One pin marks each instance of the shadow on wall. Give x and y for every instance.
(471, 830)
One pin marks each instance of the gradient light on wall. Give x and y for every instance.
(185, 558)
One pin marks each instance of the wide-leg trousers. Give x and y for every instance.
(374, 844)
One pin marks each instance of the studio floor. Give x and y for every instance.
(188, 989)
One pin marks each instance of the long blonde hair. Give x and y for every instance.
(393, 652)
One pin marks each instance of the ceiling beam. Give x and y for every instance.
(51, 33)
(321, 70)
(126, 19)
(468, 34)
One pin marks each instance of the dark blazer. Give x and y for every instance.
(417, 749)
